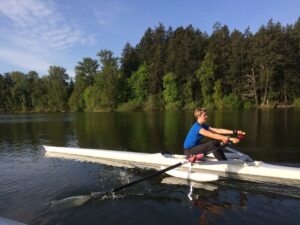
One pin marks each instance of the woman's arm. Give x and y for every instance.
(224, 131)
(220, 130)
(220, 137)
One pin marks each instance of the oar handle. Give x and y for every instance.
(235, 135)
(238, 134)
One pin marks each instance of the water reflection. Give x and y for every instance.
(208, 209)
(271, 134)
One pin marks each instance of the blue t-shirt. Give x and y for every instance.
(193, 138)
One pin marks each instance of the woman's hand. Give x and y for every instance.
(241, 132)
(234, 140)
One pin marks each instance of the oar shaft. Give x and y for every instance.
(147, 177)
(191, 159)
(80, 200)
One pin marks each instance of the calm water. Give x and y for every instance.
(30, 181)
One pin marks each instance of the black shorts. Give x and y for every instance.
(206, 148)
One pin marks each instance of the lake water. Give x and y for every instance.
(30, 181)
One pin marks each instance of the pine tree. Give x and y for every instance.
(219, 46)
(206, 76)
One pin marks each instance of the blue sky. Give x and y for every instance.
(38, 33)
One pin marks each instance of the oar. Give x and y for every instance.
(82, 199)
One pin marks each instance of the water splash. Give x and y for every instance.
(124, 177)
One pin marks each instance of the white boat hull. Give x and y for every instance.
(236, 168)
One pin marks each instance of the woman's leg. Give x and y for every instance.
(219, 154)
(206, 148)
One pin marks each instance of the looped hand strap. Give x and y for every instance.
(234, 133)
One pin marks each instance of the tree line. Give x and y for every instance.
(171, 69)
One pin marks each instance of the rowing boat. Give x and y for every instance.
(238, 164)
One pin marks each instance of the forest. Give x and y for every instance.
(170, 69)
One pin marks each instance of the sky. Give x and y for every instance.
(35, 34)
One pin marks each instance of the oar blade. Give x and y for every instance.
(70, 202)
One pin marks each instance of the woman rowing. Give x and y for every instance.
(199, 130)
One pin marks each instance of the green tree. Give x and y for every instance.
(92, 98)
(268, 61)
(87, 70)
(206, 76)
(20, 92)
(217, 95)
(129, 64)
(39, 95)
(85, 76)
(2, 102)
(186, 48)
(156, 67)
(5, 94)
(249, 92)
(129, 61)
(102, 96)
(231, 101)
(219, 46)
(57, 89)
(138, 83)
(145, 48)
(33, 88)
(237, 62)
(290, 82)
(220, 70)
(170, 92)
